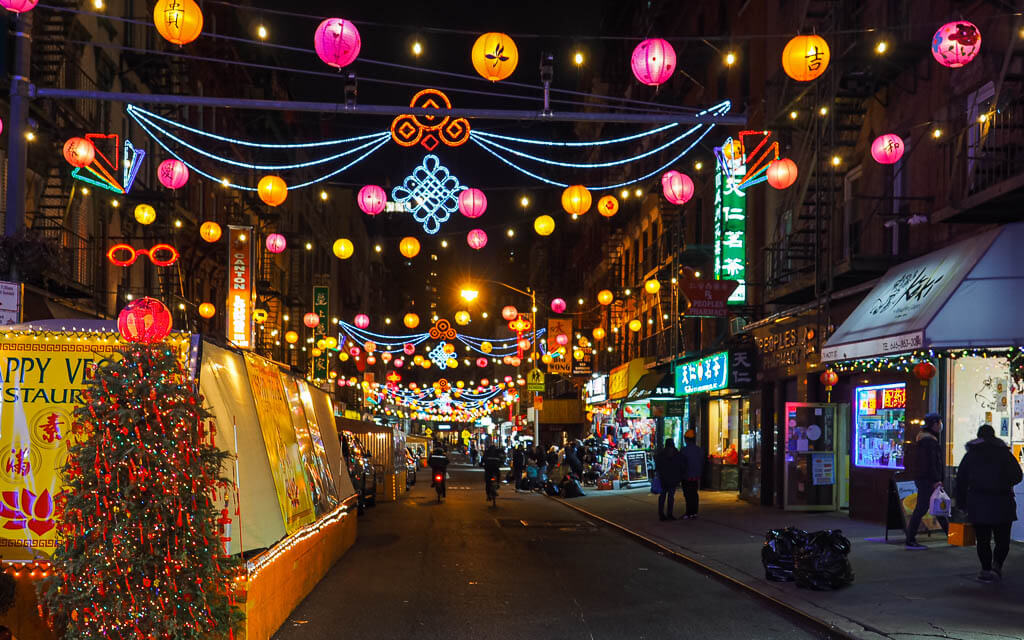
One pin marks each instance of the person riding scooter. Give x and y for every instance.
(438, 462)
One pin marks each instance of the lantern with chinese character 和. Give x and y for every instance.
(544, 225)
(472, 203)
(804, 58)
(207, 310)
(411, 321)
(605, 297)
(476, 239)
(172, 173)
(925, 371)
(677, 187)
(145, 320)
(311, 320)
(276, 243)
(409, 247)
(145, 214)
(178, 21)
(337, 42)
(210, 231)
(79, 152)
(371, 199)
(343, 248)
(362, 320)
(18, 6)
(956, 43)
(576, 199)
(608, 206)
(558, 305)
(509, 313)
(272, 190)
(781, 173)
(887, 148)
(653, 61)
(494, 56)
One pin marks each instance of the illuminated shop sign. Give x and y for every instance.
(731, 228)
(240, 287)
(710, 373)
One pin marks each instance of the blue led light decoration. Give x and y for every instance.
(430, 193)
(439, 356)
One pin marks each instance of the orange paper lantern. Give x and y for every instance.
(781, 173)
(608, 206)
(495, 56)
(210, 231)
(207, 310)
(79, 152)
(576, 199)
(605, 297)
(805, 57)
(178, 21)
(409, 247)
(272, 190)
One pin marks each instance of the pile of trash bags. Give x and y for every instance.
(818, 560)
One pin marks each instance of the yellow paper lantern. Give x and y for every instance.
(544, 225)
(409, 247)
(145, 214)
(599, 333)
(331, 341)
(605, 297)
(207, 310)
(425, 364)
(291, 337)
(577, 354)
(608, 206)
(343, 356)
(343, 248)
(495, 56)
(486, 347)
(321, 344)
(417, 359)
(635, 325)
(210, 231)
(449, 348)
(317, 352)
(576, 199)
(453, 363)
(272, 190)
(462, 318)
(178, 21)
(546, 358)
(652, 286)
(805, 57)
(411, 320)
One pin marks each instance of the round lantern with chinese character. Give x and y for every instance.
(781, 173)
(272, 190)
(311, 320)
(925, 371)
(337, 42)
(544, 225)
(411, 321)
(79, 152)
(887, 148)
(476, 239)
(207, 310)
(804, 58)
(462, 318)
(829, 379)
(178, 21)
(605, 297)
(677, 187)
(608, 206)
(576, 199)
(362, 321)
(145, 214)
(276, 243)
(653, 61)
(409, 247)
(494, 56)
(210, 231)
(956, 43)
(371, 199)
(145, 320)
(509, 313)
(343, 248)
(19, 6)
(172, 173)
(472, 203)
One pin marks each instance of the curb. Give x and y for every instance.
(834, 631)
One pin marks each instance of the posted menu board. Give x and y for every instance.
(879, 424)
(636, 466)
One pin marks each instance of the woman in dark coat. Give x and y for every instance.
(668, 465)
(984, 486)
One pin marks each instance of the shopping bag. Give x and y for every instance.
(656, 485)
(940, 504)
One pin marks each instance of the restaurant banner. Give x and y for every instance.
(240, 287)
(322, 308)
(293, 491)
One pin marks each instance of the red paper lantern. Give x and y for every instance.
(925, 371)
(677, 187)
(172, 173)
(653, 61)
(371, 199)
(887, 148)
(476, 239)
(472, 203)
(311, 320)
(509, 313)
(558, 305)
(79, 152)
(829, 378)
(145, 320)
(481, 362)
(409, 349)
(781, 173)
(337, 42)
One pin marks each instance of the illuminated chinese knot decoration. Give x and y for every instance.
(429, 130)
(731, 226)
(430, 193)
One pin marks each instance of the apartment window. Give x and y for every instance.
(851, 213)
(979, 103)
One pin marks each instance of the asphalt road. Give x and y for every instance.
(529, 568)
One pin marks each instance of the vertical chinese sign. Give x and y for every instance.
(731, 227)
(240, 287)
(561, 362)
(322, 308)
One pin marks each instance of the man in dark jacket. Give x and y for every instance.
(928, 473)
(668, 466)
(693, 468)
(438, 462)
(518, 465)
(572, 458)
(984, 485)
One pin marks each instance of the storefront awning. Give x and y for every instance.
(965, 295)
(652, 386)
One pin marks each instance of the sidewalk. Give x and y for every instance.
(909, 595)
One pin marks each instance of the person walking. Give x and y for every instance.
(518, 465)
(984, 486)
(693, 469)
(928, 473)
(572, 458)
(473, 453)
(668, 466)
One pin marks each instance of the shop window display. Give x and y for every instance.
(980, 394)
(723, 431)
(880, 422)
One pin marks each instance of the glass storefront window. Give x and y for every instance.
(980, 393)
(880, 420)
(724, 428)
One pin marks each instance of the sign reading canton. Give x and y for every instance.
(710, 373)
(322, 308)
(240, 289)
(731, 227)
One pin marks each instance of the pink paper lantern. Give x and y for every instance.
(509, 313)
(276, 243)
(172, 173)
(654, 61)
(409, 349)
(399, 363)
(481, 362)
(311, 320)
(677, 187)
(371, 199)
(472, 203)
(19, 6)
(337, 42)
(515, 361)
(476, 239)
(362, 320)
(558, 305)
(354, 351)
(956, 43)
(562, 339)
(887, 148)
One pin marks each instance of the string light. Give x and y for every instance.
(261, 32)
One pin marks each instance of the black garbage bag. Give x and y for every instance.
(777, 553)
(822, 562)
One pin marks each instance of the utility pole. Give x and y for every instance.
(17, 147)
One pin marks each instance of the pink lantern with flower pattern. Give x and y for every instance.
(956, 43)
(653, 61)
(476, 239)
(371, 199)
(337, 42)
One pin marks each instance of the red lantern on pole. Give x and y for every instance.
(925, 371)
(145, 320)
(829, 378)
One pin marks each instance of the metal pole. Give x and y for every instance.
(17, 146)
(387, 110)
(536, 413)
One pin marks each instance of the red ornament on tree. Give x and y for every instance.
(145, 320)
(925, 371)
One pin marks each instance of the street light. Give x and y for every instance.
(469, 295)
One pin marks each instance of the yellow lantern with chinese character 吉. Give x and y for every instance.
(805, 57)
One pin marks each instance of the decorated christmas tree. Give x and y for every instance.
(141, 552)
